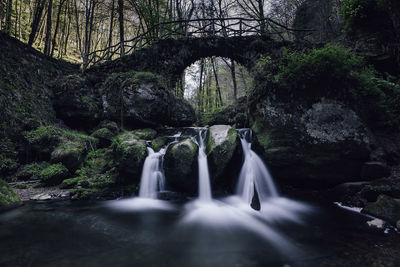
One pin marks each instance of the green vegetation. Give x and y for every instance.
(8, 197)
(145, 134)
(364, 14)
(337, 73)
(96, 178)
(54, 174)
(32, 171)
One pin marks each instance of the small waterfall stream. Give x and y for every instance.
(204, 175)
(153, 179)
(254, 175)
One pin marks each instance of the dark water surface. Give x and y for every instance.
(89, 234)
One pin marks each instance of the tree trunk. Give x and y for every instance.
(233, 73)
(8, 17)
(217, 83)
(53, 45)
(111, 28)
(48, 29)
(36, 20)
(200, 96)
(121, 25)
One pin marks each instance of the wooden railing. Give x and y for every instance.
(218, 27)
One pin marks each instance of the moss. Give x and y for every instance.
(46, 138)
(129, 153)
(70, 183)
(32, 171)
(263, 136)
(110, 125)
(8, 197)
(54, 174)
(145, 134)
(8, 156)
(103, 133)
(159, 143)
(97, 176)
(21, 186)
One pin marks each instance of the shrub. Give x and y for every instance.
(54, 174)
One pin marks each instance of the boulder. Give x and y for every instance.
(129, 154)
(8, 198)
(374, 170)
(141, 99)
(385, 207)
(222, 141)
(41, 197)
(77, 103)
(320, 145)
(54, 174)
(104, 136)
(70, 154)
(180, 166)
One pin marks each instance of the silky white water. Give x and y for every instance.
(254, 175)
(204, 175)
(152, 180)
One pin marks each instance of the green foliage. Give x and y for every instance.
(54, 174)
(32, 171)
(145, 134)
(46, 138)
(95, 178)
(337, 73)
(364, 14)
(8, 197)
(8, 157)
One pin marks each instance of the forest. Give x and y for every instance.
(200, 133)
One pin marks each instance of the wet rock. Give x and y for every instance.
(8, 198)
(144, 100)
(377, 223)
(385, 207)
(374, 170)
(398, 225)
(129, 154)
(180, 165)
(41, 197)
(321, 145)
(222, 141)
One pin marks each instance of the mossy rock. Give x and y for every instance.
(129, 155)
(385, 207)
(145, 134)
(32, 171)
(70, 183)
(104, 135)
(180, 166)
(54, 174)
(8, 197)
(159, 143)
(60, 145)
(222, 141)
(110, 125)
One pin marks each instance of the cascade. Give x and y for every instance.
(153, 179)
(204, 175)
(254, 175)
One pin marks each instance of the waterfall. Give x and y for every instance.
(152, 180)
(204, 175)
(254, 175)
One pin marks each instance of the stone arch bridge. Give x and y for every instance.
(170, 57)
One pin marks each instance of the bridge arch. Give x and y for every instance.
(170, 57)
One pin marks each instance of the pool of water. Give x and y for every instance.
(98, 234)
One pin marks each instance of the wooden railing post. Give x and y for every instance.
(240, 27)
